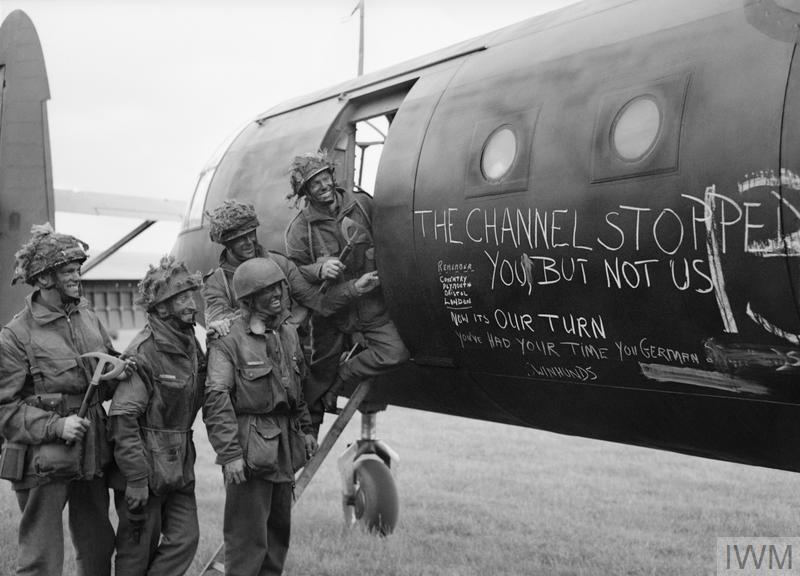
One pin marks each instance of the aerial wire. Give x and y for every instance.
(360, 8)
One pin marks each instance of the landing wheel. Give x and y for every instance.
(375, 504)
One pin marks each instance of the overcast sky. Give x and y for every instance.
(144, 91)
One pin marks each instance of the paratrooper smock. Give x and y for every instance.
(220, 299)
(151, 419)
(43, 379)
(254, 410)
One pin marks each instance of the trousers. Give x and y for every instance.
(41, 530)
(256, 527)
(167, 539)
(384, 350)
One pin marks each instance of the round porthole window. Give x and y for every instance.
(498, 153)
(636, 128)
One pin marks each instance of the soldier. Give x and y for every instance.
(52, 455)
(315, 240)
(234, 224)
(257, 420)
(151, 421)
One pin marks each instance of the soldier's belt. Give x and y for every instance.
(61, 404)
(278, 412)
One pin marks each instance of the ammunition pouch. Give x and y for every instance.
(56, 460)
(62, 404)
(297, 445)
(12, 461)
(171, 458)
(263, 443)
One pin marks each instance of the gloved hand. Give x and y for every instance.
(329, 402)
(311, 445)
(136, 497)
(331, 396)
(234, 472)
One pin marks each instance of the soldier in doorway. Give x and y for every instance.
(151, 421)
(257, 420)
(53, 456)
(316, 242)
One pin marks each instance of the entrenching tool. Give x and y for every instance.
(353, 233)
(103, 360)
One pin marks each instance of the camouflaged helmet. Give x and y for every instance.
(45, 251)
(164, 281)
(305, 167)
(254, 275)
(231, 220)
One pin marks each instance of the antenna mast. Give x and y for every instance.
(360, 8)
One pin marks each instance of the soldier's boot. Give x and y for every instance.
(330, 397)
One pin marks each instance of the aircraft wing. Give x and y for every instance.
(104, 204)
(147, 209)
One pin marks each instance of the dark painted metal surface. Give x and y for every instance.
(653, 302)
(26, 183)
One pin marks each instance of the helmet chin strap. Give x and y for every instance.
(51, 284)
(66, 297)
(259, 320)
(177, 322)
(257, 325)
(181, 324)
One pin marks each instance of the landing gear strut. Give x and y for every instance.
(369, 494)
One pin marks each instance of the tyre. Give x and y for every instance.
(377, 505)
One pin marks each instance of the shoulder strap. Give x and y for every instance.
(296, 222)
(227, 285)
(20, 330)
(324, 248)
(364, 212)
(154, 366)
(36, 371)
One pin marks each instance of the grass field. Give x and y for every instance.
(480, 498)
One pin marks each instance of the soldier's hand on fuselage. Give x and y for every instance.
(311, 445)
(234, 472)
(74, 428)
(332, 268)
(367, 283)
(136, 497)
(221, 327)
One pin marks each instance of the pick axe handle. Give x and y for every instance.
(87, 398)
(342, 255)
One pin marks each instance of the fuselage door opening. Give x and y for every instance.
(370, 136)
(357, 137)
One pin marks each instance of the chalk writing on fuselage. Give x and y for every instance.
(518, 238)
(534, 229)
(592, 327)
(629, 247)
